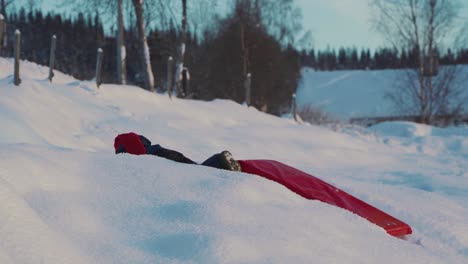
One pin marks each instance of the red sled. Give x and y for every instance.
(312, 188)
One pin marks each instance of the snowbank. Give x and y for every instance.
(65, 197)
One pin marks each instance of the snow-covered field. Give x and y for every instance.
(65, 197)
(347, 94)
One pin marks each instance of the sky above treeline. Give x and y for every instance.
(332, 23)
(336, 23)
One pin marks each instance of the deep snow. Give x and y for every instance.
(65, 197)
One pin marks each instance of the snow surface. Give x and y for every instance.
(65, 197)
(347, 94)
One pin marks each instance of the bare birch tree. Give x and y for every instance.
(107, 8)
(143, 46)
(424, 27)
(3, 5)
(121, 53)
(180, 59)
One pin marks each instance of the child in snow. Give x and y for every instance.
(137, 144)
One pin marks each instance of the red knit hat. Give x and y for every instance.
(130, 143)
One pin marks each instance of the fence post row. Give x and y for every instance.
(99, 67)
(52, 58)
(248, 82)
(170, 63)
(17, 80)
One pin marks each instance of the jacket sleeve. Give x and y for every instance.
(146, 142)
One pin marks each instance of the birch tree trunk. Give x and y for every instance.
(143, 46)
(180, 64)
(121, 53)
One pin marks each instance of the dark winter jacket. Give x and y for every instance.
(137, 144)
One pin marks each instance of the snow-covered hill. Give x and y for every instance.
(358, 93)
(65, 197)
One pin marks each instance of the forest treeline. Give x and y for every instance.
(216, 61)
(382, 58)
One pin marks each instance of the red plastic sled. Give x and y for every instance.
(313, 188)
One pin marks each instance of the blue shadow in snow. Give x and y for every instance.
(421, 182)
(182, 210)
(463, 251)
(179, 246)
(416, 181)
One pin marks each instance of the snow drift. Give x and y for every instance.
(65, 197)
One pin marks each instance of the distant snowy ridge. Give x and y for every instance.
(351, 93)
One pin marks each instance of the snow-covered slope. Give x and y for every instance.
(348, 94)
(65, 197)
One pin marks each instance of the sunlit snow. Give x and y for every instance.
(65, 197)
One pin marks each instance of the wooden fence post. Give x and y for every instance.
(52, 58)
(99, 68)
(5, 38)
(248, 83)
(17, 80)
(178, 80)
(170, 67)
(294, 107)
(2, 31)
(186, 82)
